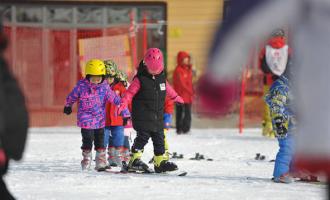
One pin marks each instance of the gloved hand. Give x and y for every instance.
(125, 120)
(125, 113)
(67, 110)
(120, 108)
(178, 100)
(281, 127)
(167, 120)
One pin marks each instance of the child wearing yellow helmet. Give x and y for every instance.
(92, 93)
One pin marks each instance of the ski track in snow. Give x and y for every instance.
(51, 170)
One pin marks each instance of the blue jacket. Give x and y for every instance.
(279, 100)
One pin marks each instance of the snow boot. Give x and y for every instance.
(100, 160)
(163, 165)
(87, 159)
(111, 157)
(136, 164)
(118, 158)
(126, 154)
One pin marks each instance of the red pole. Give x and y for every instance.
(145, 34)
(241, 107)
(132, 36)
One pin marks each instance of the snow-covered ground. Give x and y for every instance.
(51, 170)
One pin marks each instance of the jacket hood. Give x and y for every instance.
(182, 55)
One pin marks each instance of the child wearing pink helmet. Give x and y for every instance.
(147, 93)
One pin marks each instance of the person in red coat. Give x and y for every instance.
(182, 82)
(114, 124)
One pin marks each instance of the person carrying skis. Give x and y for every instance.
(147, 93)
(279, 99)
(92, 93)
(275, 54)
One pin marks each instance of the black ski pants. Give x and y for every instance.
(183, 118)
(92, 135)
(142, 138)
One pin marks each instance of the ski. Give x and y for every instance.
(149, 172)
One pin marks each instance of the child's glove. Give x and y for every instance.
(120, 108)
(67, 110)
(125, 113)
(3, 162)
(125, 120)
(167, 120)
(281, 127)
(178, 100)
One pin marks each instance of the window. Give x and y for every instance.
(29, 14)
(119, 15)
(5, 13)
(90, 15)
(59, 15)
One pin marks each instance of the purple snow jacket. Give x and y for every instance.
(91, 99)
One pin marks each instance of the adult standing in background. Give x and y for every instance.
(182, 82)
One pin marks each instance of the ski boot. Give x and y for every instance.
(136, 164)
(87, 159)
(285, 178)
(163, 165)
(100, 160)
(166, 157)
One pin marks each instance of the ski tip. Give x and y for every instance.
(183, 174)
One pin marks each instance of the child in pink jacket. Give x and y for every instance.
(147, 93)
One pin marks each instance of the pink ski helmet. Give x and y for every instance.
(154, 61)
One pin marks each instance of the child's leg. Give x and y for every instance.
(87, 139)
(126, 148)
(87, 144)
(106, 136)
(135, 163)
(167, 156)
(100, 158)
(158, 142)
(111, 148)
(117, 133)
(161, 164)
(284, 156)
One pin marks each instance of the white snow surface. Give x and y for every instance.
(51, 170)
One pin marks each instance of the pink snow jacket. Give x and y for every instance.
(135, 87)
(91, 99)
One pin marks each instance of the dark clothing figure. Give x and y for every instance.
(13, 120)
(183, 118)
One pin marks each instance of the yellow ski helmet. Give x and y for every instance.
(95, 67)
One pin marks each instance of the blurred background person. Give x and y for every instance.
(250, 21)
(182, 83)
(13, 119)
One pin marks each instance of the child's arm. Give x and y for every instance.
(71, 99)
(128, 95)
(171, 93)
(131, 91)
